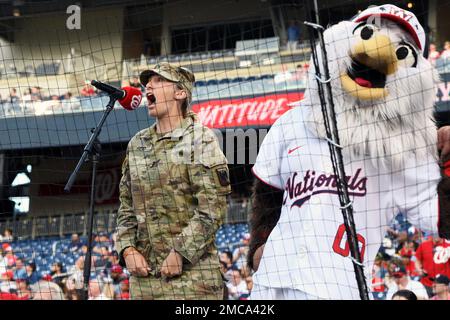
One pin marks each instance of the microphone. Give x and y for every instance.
(113, 91)
(132, 99)
(129, 97)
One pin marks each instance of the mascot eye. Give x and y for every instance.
(406, 56)
(365, 31)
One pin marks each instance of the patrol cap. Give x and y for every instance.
(180, 75)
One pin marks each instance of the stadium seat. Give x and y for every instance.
(237, 79)
(212, 82)
(200, 83)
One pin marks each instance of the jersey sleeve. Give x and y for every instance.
(267, 167)
(416, 195)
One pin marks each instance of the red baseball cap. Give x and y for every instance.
(404, 18)
(116, 269)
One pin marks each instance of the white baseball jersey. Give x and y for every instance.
(308, 250)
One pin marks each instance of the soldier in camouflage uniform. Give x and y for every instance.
(172, 196)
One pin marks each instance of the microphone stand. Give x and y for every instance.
(91, 153)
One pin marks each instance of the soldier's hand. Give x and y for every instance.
(135, 262)
(173, 265)
(257, 257)
(443, 144)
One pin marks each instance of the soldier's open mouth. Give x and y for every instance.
(366, 76)
(151, 98)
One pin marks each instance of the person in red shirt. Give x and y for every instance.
(124, 290)
(9, 257)
(10, 296)
(88, 90)
(407, 252)
(432, 258)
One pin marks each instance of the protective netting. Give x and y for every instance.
(256, 89)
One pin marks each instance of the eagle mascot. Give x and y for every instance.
(395, 153)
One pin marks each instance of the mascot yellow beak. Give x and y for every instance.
(372, 61)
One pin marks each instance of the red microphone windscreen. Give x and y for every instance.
(132, 99)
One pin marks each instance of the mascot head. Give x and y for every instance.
(383, 87)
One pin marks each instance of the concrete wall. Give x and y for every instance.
(97, 43)
(197, 12)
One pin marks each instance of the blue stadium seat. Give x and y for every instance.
(237, 79)
(212, 82)
(200, 83)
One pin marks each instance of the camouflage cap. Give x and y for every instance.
(180, 75)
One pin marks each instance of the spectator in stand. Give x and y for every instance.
(433, 54)
(379, 272)
(6, 282)
(26, 96)
(75, 243)
(240, 253)
(432, 258)
(84, 250)
(104, 261)
(88, 90)
(9, 257)
(23, 290)
(300, 73)
(402, 282)
(404, 295)
(124, 290)
(227, 258)
(3, 262)
(55, 101)
(226, 261)
(117, 277)
(20, 272)
(134, 82)
(227, 273)
(7, 236)
(76, 280)
(70, 103)
(399, 230)
(440, 288)
(36, 94)
(105, 241)
(115, 258)
(237, 288)
(293, 35)
(247, 277)
(13, 96)
(32, 275)
(59, 276)
(445, 54)
(406, 253)
(95, 290)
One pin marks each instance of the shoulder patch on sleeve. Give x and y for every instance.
(222, 175)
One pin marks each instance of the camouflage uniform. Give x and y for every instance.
(173, 195)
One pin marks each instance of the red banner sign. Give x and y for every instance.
(244, 112)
